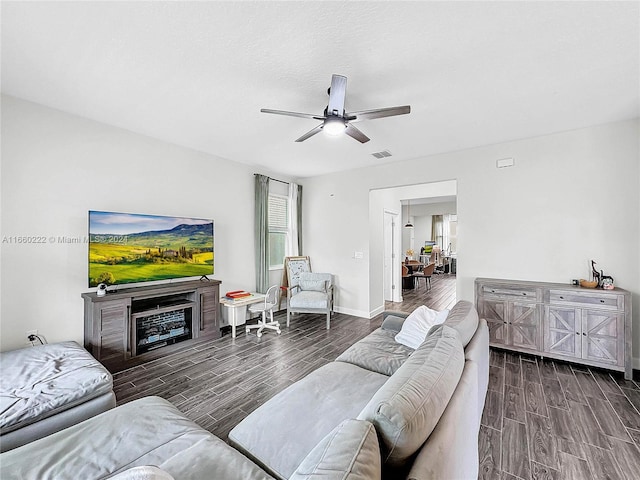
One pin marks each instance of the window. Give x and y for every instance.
(278, 230)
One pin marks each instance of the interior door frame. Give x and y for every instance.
(392, 290)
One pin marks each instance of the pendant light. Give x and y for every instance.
(408, 224)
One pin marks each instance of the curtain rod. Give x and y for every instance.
(274, 179)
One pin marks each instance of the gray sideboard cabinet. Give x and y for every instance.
(565, 322)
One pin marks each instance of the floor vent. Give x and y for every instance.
(382, 154)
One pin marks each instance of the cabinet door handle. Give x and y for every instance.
(577, 333)
(201, 315)
(584, 334)
(561, 297)
(523, 293)
(601, 301)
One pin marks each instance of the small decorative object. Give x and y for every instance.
(588, 283)
(597, 279)
(595, 274)
(102, 290)
(410, 254)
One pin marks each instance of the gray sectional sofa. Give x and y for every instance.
(425, 405)
(380, 410)
(47, 388)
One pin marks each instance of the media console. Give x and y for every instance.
(134, 325)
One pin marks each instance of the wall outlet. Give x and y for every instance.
(30, 332)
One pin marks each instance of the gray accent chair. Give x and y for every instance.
(312, 294)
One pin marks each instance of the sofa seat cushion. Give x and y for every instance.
(149, 431)
(378, 352)
(147, 472)
(349, 452)
(309, 299)
(39, 382)
(280, 433)
(408, 406)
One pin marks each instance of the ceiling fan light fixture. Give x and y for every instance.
(335, 120)
(334, 126)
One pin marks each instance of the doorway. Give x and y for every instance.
(383, 275)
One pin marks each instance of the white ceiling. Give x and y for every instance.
(197, 73)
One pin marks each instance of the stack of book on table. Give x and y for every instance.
(237, 295)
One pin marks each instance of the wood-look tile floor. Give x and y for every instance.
(542, 419)
(545, 419)
(218, 382)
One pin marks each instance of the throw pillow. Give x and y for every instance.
(416, 326)
(313, 285)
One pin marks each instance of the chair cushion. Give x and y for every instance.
(377, 352)
(313, 285)
(406, 409)
(416, 326)
(38, 382)
(314, 277)
(310, 299)
(349, 452)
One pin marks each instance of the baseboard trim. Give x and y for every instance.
(349, 311)
(376, 311)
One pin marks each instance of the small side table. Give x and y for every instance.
(234, 312)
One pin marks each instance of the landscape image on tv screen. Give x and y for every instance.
(130, 248)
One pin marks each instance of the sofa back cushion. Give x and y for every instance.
(377, 352)
(463, 318)
(349, 452)
(406, 409)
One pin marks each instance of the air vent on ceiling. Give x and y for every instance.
(382, 154)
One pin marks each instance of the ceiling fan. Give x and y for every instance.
(335, 120)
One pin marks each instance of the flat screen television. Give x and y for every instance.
(133, 248)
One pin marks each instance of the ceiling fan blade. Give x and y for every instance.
(292, 114)
(353, 132)
(310, 133)
(378, 113)
(336, 95)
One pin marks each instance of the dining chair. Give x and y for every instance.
(426, 274)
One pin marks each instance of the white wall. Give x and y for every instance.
(56, 167)
(570, 197)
